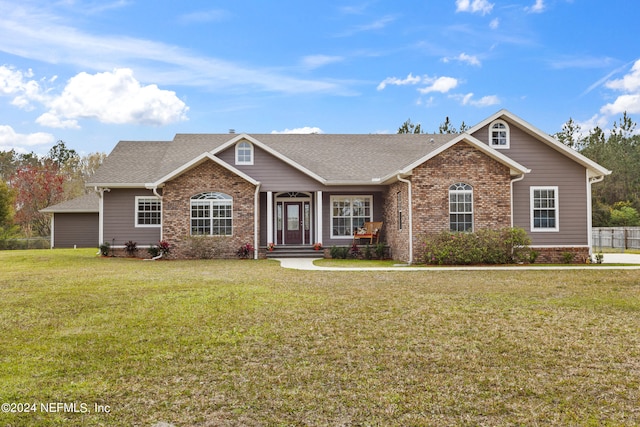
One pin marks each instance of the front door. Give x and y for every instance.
(293, 223)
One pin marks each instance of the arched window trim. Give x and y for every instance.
(461, 207)
(244, 153)
(211, 214)
(499, 135)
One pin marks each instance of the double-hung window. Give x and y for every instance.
(148, 211)
(348, 213)
(544, 209)
(212, 214)
(461, 207)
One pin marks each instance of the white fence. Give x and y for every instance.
(616, 237)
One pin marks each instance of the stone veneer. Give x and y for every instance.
(464, 163)
(207, 177)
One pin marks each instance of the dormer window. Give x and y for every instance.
(499, 134)
(244, 153)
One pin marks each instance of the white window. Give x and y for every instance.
(499, 134)
(148, 212)
(461, 207)
(244, 153)
(211, 214)
(544, 209)
(348, 213)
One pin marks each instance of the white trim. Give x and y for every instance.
(319, 230)
(516, 179)
(557, 246)
(590, 181)
(270, 218)
(196, 162)
(515, 167)
(350, 196)
(556, 208)
(251, 155)
(53, 231)
(136, 211)
(256, 222)
(507, 135)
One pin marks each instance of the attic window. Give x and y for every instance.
(499, 134)
(244, 153)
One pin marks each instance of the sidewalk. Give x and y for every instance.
(307, 264)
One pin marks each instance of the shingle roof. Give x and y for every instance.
(337, 158)
(88, 203)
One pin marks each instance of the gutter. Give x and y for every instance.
(591, 181)
(410, 217)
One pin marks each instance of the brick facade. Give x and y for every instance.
(207, 177)
(461, 163)
(396, 229)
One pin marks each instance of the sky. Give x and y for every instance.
(94, 72)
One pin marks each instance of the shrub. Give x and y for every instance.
(339, 252)
(162, 248)
(567, 257)
(380, 250)
(131, 248)
(104, 249)
(354, 252)
(503, 246)
(204, 247)
(245, 251)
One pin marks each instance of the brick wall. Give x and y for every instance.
(461, 163)
(207, 177)
(397, 238)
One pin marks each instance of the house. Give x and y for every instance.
(292, 190)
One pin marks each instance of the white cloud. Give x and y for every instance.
(312, 62)
(474, 6)
(629, 100)
(485, 101)
(410, 80)
(10, 139)
(305, 130)
(19, 84)
(494, 24)
(112, 97)
(38, 34)
(440, 84)
(538, 7)
(463, 57)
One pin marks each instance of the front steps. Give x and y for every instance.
(295, 251)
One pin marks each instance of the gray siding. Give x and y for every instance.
(548, 168)
(378, 213)
(119, 218)
(273, 173)
(75, 229)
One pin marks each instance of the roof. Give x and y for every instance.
(331, 159)
(88, 203)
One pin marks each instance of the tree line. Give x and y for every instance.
(616, 200)
(29, 183)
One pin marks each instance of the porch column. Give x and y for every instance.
(270, 217)
(319, 217)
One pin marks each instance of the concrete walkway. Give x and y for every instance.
(307, 264)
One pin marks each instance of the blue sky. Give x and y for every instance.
(92, 73)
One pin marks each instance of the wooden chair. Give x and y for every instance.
(370, 230)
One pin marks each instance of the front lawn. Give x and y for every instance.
(123, 342)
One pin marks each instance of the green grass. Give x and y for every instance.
(226, 343)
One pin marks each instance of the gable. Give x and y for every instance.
(481, 132)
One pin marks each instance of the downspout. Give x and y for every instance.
(256, 221)
(410, 216)
(519, 178)
(591, 181)
(155, 192)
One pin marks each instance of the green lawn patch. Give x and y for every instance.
(225, 343)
